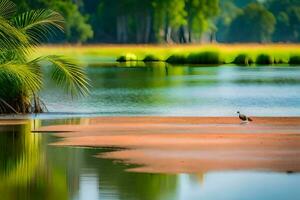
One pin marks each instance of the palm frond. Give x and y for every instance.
(25, 76)
(7, 9)
(11, 37)
(67, 74)
(20, 83)
(6, 56)
(21, 80)
(39, 25)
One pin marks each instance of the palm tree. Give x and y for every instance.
(21, 78)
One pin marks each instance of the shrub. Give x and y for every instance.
(264, 59)
(151, 58)
(127, 57)
(243, 59)
(177, 59)
(207, 57)
(294, 60)
(279, 61)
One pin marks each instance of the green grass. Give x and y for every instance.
(96, 53)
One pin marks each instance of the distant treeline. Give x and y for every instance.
(174, 21)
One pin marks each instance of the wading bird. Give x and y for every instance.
(244, 118)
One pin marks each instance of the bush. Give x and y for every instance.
(177, 59)
(151, 58)
(279, 61)
(243, 59)
(127, 57)
(207, 57)
(294, 60)
(264, 59)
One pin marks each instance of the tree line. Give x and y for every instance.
(174, 21)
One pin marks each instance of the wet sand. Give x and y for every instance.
(190, 144)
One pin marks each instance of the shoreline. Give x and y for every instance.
(190, 144)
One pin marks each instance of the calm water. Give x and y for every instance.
(183, 91)
(32, 170)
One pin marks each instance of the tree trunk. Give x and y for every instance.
(143, 27)
(190, 38)
(182, 35)
(190, 29)
(122, 30)
(148, 28)
(213, 37)
(168, 33)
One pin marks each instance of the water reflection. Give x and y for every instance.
(31, 169)
(24, 171)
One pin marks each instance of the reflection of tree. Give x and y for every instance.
(132, 185)
(144, 85)
(24, 172)
(114, 181)
(29, 170)
(153, 75)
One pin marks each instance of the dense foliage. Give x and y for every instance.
(175, 21)
(21, 77)
(254, 24)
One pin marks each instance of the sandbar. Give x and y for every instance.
(190, 144)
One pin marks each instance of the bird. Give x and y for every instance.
(244, 118)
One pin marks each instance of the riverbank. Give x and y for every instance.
(190, 144)
(109, 53)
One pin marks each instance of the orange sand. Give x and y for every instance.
(191, 144)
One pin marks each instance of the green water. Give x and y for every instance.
(30, 169)
(182, 91)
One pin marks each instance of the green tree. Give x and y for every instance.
(77, 28)
(287, 14)
(228, 12)
(254, 24)
(169, 16)
(200, 13)
(21, 78)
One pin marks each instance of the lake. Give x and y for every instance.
(182, 91)
(31, 168)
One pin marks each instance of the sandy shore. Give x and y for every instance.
(190, 144)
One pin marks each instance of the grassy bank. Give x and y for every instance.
(227, 53)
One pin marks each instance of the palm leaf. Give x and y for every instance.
(67, 74)
(25, 76)
(8, 56)
(39, 25)
(21, 80)
(7, 9)
(11, 37)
